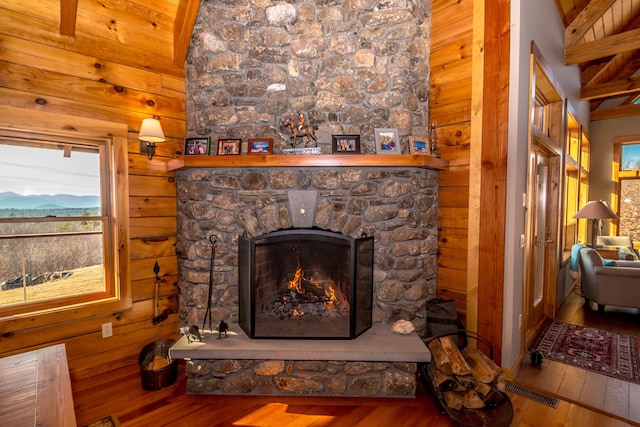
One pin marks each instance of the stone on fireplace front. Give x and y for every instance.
(397, 206)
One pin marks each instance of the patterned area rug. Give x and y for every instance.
(592, 349)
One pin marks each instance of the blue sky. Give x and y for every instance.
(27, 170)
(630, 156)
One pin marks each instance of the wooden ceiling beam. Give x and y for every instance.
(617, 112)
(608, 46)
(594, 73)
(68, 15)
(183, 29)
(613, 88)
(592, 12)
(631, 99)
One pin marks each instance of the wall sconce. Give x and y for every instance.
(151, 132)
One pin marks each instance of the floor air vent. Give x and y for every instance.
(532, 394)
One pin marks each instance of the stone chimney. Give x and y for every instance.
(349, 66)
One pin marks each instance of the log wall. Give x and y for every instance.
(80, 81)
(109, 78)
(450, 108)
(469, 102)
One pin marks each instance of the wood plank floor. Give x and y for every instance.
(120, 392)
(599, 392)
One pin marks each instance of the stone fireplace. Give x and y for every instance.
(396, 206)
(350, 67)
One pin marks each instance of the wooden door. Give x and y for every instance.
(541, 263)
(541, 238)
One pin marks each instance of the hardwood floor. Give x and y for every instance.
(599, 392)
(120, 392)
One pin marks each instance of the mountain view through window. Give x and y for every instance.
(51, 222)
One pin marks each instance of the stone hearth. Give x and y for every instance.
(378, 363)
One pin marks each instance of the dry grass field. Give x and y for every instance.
(81, 281)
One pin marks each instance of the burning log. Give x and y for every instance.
(465, 379)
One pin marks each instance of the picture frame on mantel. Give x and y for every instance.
(229, 147)
(345, 144)
(199, 146)
(260, 146)
(418, 145)
(387, 141)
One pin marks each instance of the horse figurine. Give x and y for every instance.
(306, 132)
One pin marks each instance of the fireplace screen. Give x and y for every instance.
(305, 283)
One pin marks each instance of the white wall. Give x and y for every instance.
(538, 21)
(602, 133)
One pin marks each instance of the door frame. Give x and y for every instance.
(546, 135)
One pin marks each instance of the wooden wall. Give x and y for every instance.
(79, 80)
(450, 109)
(84, 77)
(469, 103)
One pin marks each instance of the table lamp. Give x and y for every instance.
(595, 210)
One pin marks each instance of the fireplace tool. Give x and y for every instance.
(157, 318)
(208, 312)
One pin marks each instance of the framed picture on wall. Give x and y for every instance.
(229, 147)
(197, 146)
(387, 141)
(260, 146)
(345, 144)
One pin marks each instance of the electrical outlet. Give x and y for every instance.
(521, 241)
(107, 330)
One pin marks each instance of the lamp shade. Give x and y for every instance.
(596, 210)
(151, 131)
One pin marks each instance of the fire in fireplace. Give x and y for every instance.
(305, 283)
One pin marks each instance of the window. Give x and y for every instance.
(58, 239)
(576, 182)
(630, 208)
(627, 159)
(630, 157)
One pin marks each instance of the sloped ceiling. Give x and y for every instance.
(152, 34)
(603, 38)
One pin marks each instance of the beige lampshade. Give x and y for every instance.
(151, 131)
(596, 210)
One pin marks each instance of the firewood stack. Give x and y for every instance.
(465, 379)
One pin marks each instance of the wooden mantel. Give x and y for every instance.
(339, 160)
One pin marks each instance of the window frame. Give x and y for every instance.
(577, 160)
(619, 174)
(115, 207)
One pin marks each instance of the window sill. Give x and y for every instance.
(63, 314)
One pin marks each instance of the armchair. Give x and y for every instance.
(604, 285)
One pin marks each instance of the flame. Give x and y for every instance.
(331, 296)
(300, 284)
(296, 282)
